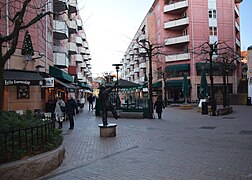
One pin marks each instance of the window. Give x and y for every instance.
(185, 32)
(213, 31)
(212, 13)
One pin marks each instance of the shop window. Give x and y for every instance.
(23, 91)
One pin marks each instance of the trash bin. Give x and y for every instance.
(248, 101)
(204, 108)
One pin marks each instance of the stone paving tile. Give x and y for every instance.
(172, 148)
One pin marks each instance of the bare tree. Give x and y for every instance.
(20, 19)
(221, 56)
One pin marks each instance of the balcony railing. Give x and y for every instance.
(78, 58)
(79, 24)
(177, 23)
(82, 50)
(72, 48)
(177, 6)
(177, 40)
(142, 65)
(237, 41)
(136, 70)
(60, 5)
(177, 57)
(78, 41)
(237, 26)
(72, 26)
(60, 60)
(60, 30)
(79, 75)
(72, 6)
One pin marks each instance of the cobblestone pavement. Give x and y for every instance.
(183, 145)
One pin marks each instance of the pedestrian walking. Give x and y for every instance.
(82, 103)
(71, 108)
(159, 106)
(90, 102)
(59, 111)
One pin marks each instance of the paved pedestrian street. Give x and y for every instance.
(183, 145)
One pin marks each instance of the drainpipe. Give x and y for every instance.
(46, 50)
(7, 45)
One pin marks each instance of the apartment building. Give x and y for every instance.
(61, 61)
(177, 28)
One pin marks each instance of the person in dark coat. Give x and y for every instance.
(71, 107)
(90, 101)
(159, 105)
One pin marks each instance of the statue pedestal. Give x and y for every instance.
(107, 131)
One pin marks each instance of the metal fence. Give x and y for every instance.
(18, 143)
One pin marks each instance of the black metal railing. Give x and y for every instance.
(18, 143)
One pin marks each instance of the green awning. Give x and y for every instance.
(83, 85)
(58, 73)
(216, 66)
(176, 83)
(177, 67)
(157, 84)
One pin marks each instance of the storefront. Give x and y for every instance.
(22, 90)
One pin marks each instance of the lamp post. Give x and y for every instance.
(212, 95)
(117, 66)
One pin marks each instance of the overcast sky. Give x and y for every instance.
(111, 24)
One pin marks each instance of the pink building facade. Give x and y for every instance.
(61, 61)
(178, 28)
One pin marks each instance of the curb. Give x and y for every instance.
(33, 167)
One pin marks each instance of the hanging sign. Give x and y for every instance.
(49, 82)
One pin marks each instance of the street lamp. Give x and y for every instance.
(117, 66)
(212, 95)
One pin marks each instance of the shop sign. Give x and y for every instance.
(49, 82)
(15, 82)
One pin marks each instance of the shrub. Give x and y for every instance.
(26, 135)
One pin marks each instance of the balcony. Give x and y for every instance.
(177, 57)
(238, 1)
(79, 24)
(131, 73)
(83, 65)
(78, 41)
(237, 41)
(237, 12)
(83, 36)
(60, 30)
(59, 48)
(82, 50)
(59, 5)
(87, 52)
(86, 57)
(142, 50)
(142, 66)
(142, 79)
(79, 75)
(72, 6)
(72, 26)
(84, 79)
(72, 70)
(177, 24)
(137, 81)
(176, 7)
(72, 48)
(136, 70)
(132, 63)
(78, 58)
(177, 40)
(85, 44)
(237, 26)
(60, 60)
